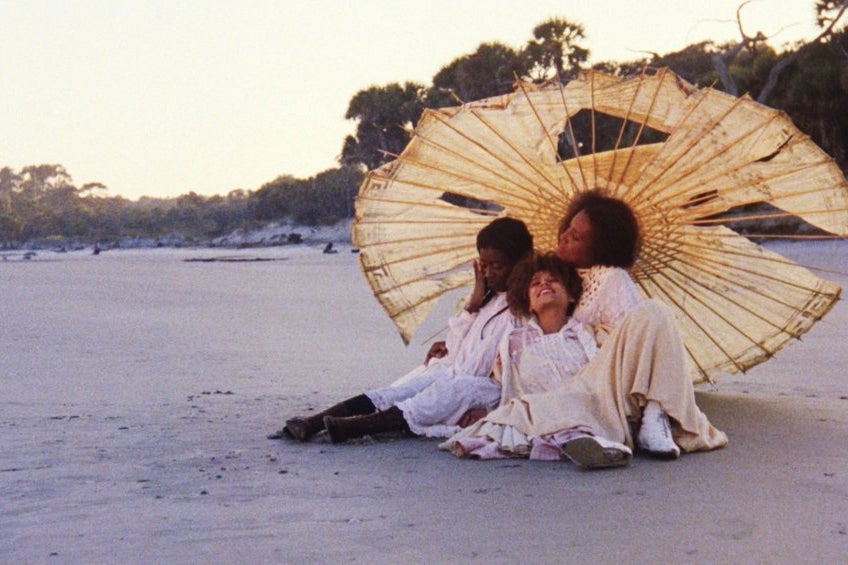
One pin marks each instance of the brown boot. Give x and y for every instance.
(304, 427)
(342, 429)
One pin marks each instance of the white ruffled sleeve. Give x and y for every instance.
(458, 326)
(608, 294)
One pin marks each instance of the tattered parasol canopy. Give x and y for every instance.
(691, 162)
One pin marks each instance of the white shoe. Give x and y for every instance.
(590, 452)
(655, 433)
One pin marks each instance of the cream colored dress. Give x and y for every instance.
(642, 358)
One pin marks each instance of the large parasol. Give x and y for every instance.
(684, 158)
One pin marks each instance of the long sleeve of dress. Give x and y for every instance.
(473, 339)
(458, 327)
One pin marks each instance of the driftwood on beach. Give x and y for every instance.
(231, 259)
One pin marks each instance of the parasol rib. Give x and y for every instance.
(762, 216)
(486, 150)
(670, 300)
(760, 274)
(573, 140)
(641, 126)
(547, 134)
(592, 128)
(465, 158)
(696, 139)
(518, 152)
(637, 199)
(754, 291)
(437, 189)
(432, 297)
(669, 182)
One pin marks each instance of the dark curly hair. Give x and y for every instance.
(615, 230)
(509, 236)
(517, 294)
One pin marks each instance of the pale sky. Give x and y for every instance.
(163, 97)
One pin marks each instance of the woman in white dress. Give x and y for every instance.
(455, 377)
(638, 379)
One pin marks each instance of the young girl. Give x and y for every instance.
(549, 347)
(431, 399)
(540, 356)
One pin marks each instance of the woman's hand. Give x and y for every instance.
(438, 350)
(479, 292)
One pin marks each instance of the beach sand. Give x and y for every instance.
(137, 388)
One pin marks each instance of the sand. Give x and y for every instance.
(136, 391)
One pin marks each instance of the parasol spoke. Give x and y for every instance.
(440, 190)
(799, 237)
(666, 297)
(507, 164)
(593, 135)
(525, 189)
(642, 124)
(704, 197)
(762, 216)
(731, 164)
(427, 298)
(573, 140)
(753, 287)
(527, 160)
(548, 137)
(668, 181)
(771, 264)
(636, 194)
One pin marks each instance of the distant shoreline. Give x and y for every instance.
(278, 234)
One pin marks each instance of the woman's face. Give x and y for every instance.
(547, 291)
(574, 244)
(496, 267)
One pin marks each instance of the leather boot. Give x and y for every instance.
(342, 429)
(304, 427)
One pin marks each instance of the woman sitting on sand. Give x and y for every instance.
(455, 377)
(638, 377)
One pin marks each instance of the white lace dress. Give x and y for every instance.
(608, 295)
(537, 363)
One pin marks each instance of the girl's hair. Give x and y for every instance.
(507, 235)
(615, 231)
(517, 295)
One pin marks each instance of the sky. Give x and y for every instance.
(163, 97)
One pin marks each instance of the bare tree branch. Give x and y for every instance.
(776, 70)
(720, 60)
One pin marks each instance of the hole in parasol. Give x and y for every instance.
(473, 204)
(610, 133)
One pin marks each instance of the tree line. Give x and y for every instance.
(809, 81)
(40, 203)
